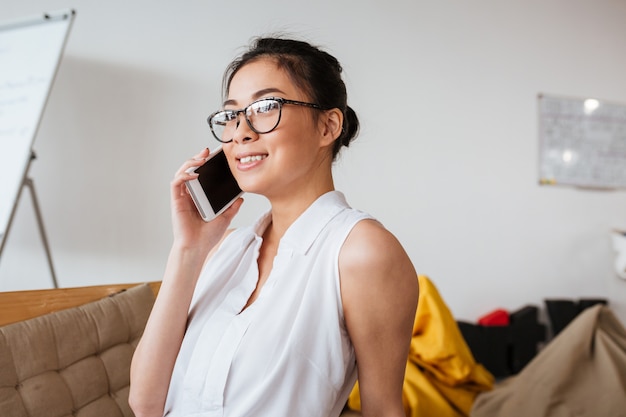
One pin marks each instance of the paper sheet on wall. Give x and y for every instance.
(582, 142)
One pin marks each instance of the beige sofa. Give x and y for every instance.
(75, 360)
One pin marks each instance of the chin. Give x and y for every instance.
(251, 188)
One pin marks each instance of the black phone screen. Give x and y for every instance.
(218, 182)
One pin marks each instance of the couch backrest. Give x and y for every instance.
(73, 362)
(23, 305)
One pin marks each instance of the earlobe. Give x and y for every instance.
(333, 123)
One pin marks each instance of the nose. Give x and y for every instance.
(243, 131)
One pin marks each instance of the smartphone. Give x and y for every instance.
(215, 189)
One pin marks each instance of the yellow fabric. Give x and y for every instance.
(442, 378)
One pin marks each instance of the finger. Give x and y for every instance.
(186, 173)
(193, 163)
(183, 176)
(203, 153)
(201, 156)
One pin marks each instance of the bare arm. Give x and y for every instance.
(379, 290)
(153, 361)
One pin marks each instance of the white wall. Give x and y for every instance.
(447, 158)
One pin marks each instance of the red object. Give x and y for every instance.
(497, 317)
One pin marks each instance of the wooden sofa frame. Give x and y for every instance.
(22, 305)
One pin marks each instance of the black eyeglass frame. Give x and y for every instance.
(280, 100)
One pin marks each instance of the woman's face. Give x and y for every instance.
(290, 158)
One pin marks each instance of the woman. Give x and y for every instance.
(274, 319)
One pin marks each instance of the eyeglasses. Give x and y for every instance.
(262, 116)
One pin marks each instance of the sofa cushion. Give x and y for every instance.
(74, 362)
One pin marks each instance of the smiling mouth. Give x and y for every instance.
(252, 158)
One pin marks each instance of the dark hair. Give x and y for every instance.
(315, 72)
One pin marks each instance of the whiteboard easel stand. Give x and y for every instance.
(28, 182)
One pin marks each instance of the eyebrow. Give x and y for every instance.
(257, 95)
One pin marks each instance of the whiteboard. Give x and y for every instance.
(582, 142)
(30, 51)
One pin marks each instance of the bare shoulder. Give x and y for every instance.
(370, 247)
(373, 260)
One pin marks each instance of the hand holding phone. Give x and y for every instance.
(215, 189)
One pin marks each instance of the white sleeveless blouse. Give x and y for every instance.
(288, 354)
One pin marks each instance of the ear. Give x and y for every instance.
(331, 125)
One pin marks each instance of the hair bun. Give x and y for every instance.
(350, 127)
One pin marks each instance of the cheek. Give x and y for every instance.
(296, 143)
(306, 132)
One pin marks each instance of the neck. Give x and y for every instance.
(291, 200)
(286, 209)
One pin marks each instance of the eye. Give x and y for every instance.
(225, 117)
(264, 106)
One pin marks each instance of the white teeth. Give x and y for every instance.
(248, 159)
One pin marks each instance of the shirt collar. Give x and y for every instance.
(302, 233)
